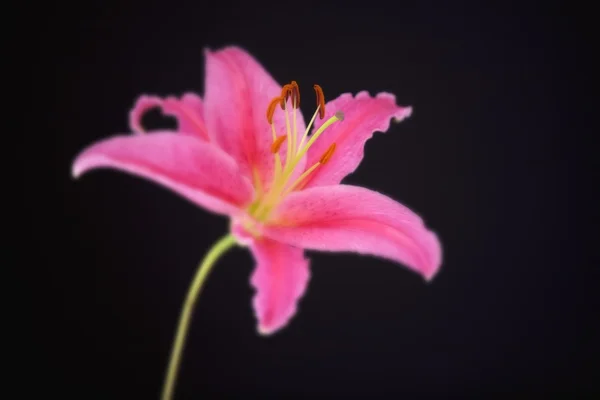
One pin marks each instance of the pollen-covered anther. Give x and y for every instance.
(320, 101)
(271, 108)
(277, 143)
(327, 155)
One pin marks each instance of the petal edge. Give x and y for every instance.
(280, 279)
(198, 171)
(355, 219)
(363, 116)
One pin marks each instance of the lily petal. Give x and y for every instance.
(280, 279)
(198, 171)
(351, 218)
(363, 115)
(189, 112)
(238, 91)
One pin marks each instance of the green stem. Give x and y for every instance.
(185, 317)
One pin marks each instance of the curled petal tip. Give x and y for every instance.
(404, 113)
(429, 276)
(76, 171)
(264, 331)
(436, 254)
(82, 165)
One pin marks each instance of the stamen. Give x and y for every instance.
(277, 158)
(295, 94)
(328, 153)
(296, 150)
(277, 143)
(286, 91)
(271, 109)
(289, 136)
(338, 116)
(273, 129)
(320, 101)
(300, 179)
(312, 120)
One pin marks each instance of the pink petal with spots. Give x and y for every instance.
(238, 91)
(280, 278)
(198, 171)
(350, 218)
(363, 115)
(188, 111)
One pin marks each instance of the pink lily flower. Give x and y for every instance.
(244, 151)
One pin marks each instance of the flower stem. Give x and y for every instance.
(185, 317)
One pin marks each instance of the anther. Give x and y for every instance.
(286, 91)
(327, 155)
(271, 108)
(295, 94)
(277, 143)
(320, 101)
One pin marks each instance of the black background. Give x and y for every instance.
(489, 159)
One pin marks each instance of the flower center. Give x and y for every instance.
(297, 147)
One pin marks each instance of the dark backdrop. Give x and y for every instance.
(489, 159)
